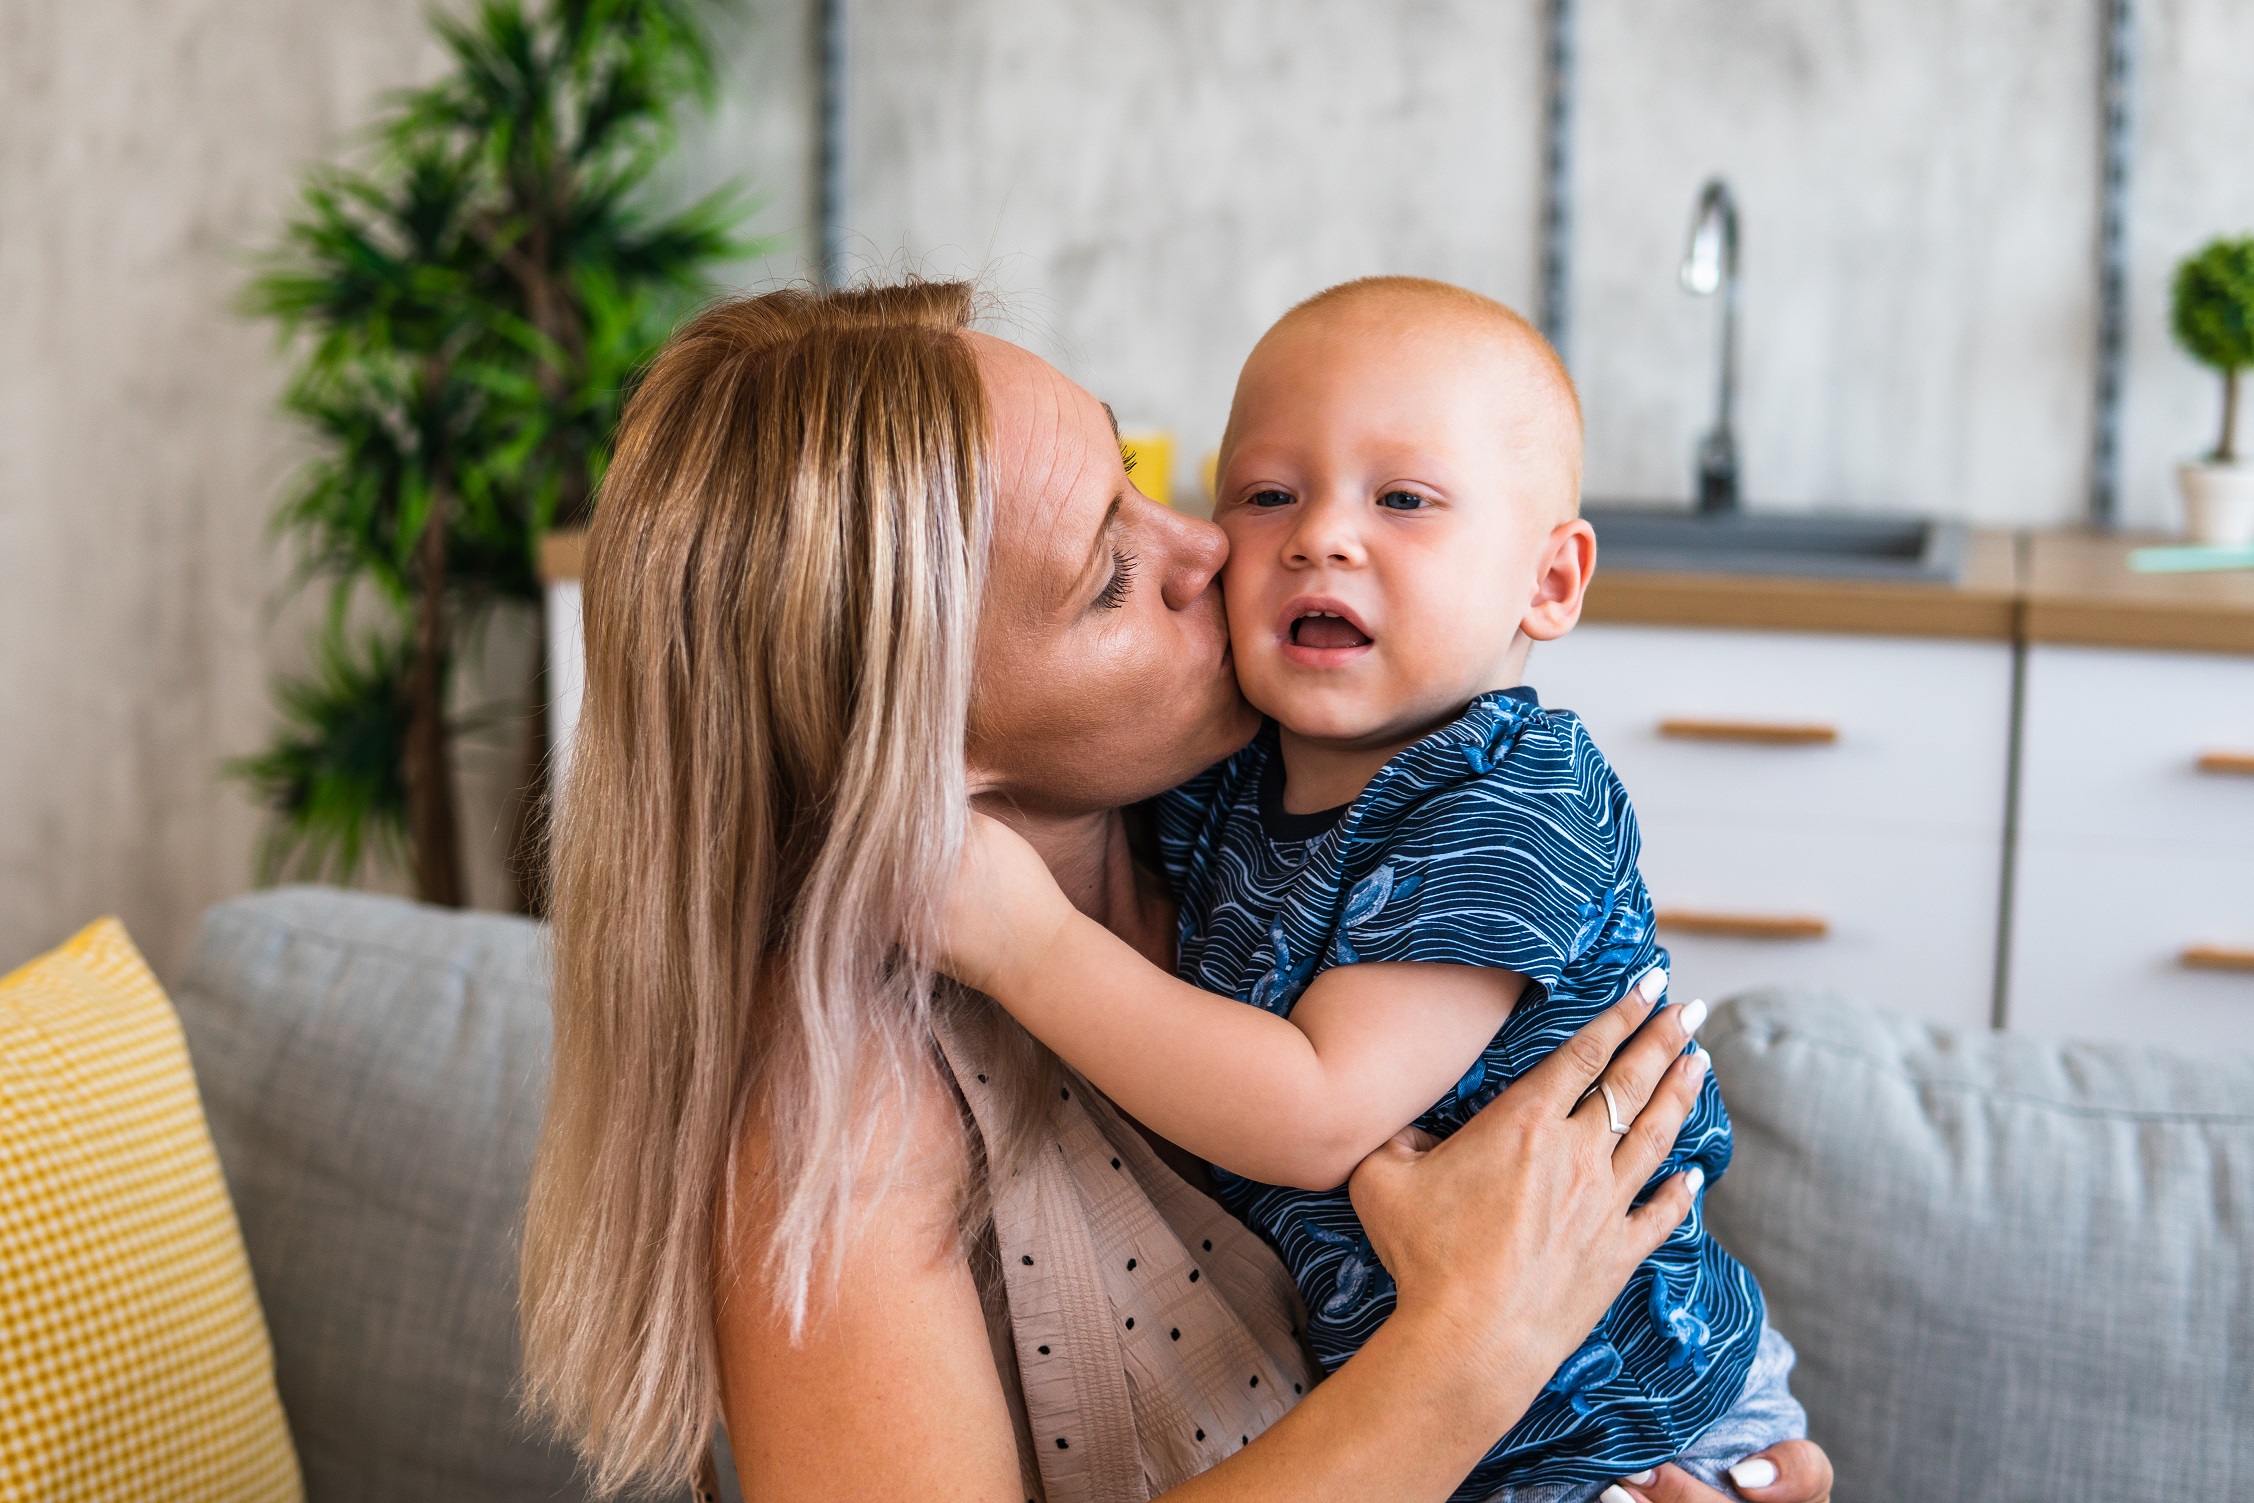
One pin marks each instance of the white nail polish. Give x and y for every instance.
(1705, 1060)
(1701, 1062)
(1644, 1478)
(1693, 1015)
(1614, 1494)
(1695, 1177)
(1755, 1471)
(1653, 984)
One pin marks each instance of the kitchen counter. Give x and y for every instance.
(562, 556)
(2079, 591)
(1982, 605)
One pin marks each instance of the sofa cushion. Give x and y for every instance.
(2014, 1269)
(133, 1362)
(373, 1071)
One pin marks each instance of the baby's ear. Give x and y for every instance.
(1561, 580)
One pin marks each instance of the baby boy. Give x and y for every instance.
(1429, 874)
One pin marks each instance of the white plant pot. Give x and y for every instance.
(2218, 503)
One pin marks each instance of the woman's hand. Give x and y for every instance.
(1797, 1471)
(1519, 1230)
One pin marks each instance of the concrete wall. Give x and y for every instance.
(1148, 183)
(143, 147)
(1151, 183)
(146, 147)
(2193, 181)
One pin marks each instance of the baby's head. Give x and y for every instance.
(1400, 482)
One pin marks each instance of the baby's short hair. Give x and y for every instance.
(1427, 292)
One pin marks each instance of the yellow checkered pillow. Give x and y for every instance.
(133, 1358)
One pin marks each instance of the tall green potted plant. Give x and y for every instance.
(466, 305)
(2212, 314)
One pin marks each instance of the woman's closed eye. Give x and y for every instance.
(1114, 593)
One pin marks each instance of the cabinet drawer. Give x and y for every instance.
(2115, 743)
(1780, 728)
(2100, 933)
(1908, 918)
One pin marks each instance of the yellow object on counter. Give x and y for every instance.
(1149, 454)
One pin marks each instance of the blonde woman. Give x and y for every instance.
(855, 564)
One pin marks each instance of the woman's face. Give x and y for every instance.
(1103, 656)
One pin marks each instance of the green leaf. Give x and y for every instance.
(332, 776)
(466, 302)
(2212, 301)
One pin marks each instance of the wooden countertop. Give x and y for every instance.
(563, 555)
(2063, 587)
(2080, 591)
(1982, 605)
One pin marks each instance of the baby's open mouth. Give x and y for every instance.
(1326, 629)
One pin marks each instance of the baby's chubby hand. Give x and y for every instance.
(1002, 910)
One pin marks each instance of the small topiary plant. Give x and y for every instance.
(2212, 314)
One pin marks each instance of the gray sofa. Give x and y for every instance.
(2013, 1270)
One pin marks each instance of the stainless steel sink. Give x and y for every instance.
(1675, 540)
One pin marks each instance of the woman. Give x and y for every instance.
(853, 564)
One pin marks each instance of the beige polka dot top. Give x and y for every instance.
(1151, 1334)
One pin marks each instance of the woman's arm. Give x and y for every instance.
(1507, 1243)
(1297, 1101)
(891, 1391)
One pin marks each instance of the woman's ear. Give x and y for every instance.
(1561, 580)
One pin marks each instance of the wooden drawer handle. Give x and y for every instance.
(2216, 958)
(1744, 925)
(2228, 764)
(1751, 732)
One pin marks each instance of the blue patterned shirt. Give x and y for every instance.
(1503, 839)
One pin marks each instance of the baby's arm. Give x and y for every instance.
(1297, 1101)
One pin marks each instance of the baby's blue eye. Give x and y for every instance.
(1401, 500)
(1268, 498)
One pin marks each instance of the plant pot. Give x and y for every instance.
(2218, 503)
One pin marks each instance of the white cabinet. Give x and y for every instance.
(1816, 810)
(2134, 909)
(567, 674)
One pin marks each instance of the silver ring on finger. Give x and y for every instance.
(1611, 1110)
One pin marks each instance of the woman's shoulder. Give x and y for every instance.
(918, 1160)
(896, 1336)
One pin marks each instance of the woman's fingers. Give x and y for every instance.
(1572, 1067)
(1651, 1137)
(1802, 1474)
(1655, 1220)
(1796, 1471)
(1630, 1078)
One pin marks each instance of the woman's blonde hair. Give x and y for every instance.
(765, 800)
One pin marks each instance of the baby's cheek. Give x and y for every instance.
(1246, 580)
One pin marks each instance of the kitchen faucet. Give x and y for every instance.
(1710, 266)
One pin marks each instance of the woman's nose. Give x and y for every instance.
(1195, 550)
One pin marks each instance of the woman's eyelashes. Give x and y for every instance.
(1114, 593)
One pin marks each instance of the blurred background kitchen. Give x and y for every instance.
(1957, 225)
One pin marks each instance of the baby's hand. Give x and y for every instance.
(1002, 910)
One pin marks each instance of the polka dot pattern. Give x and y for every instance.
(1128, 1356)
